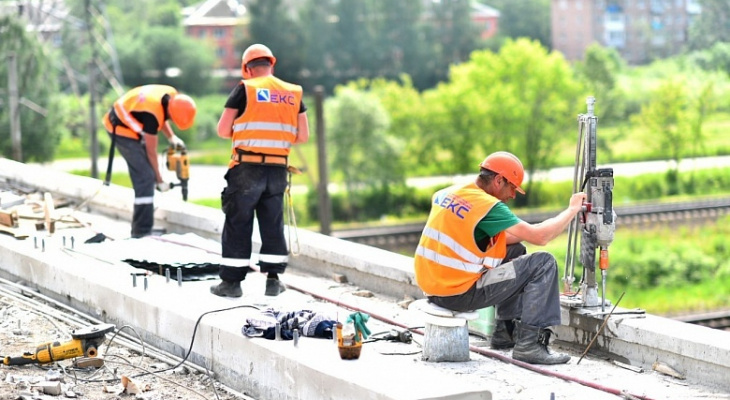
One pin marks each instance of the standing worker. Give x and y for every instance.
(133, 123)
(470, 257)
(263, 116)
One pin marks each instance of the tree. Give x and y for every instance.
(37, 84)
(702, 104)
(402, 47)
(165, 56)
(524, 18)
(665, 117)
(454, 33)
(318, 34)
(363, 152)
(711, 26)
(273, 25)
(599, 70)
(405, 108)
(521, 99)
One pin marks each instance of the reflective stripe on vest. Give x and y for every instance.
(448, 260)
(469, 261)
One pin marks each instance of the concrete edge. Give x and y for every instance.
(701, 354)
(165, 317)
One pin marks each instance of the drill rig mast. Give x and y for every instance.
(596, 224)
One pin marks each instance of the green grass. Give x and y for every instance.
(118, 178)
(672, 291)
(691, 298)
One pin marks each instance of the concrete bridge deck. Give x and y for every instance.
(94, 279)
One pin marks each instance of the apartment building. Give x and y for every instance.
(641, 30)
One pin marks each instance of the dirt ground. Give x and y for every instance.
(23, 328)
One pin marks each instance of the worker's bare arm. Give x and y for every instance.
(225, 123)
(542, 233)
(302, 128)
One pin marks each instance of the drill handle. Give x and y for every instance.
(26, 358)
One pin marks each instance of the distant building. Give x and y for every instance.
(486, 19)
(641, 30)
(218, 21)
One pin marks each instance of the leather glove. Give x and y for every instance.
(176, 142)
(163, 187)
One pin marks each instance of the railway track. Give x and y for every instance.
(716, 320)
(405, 237)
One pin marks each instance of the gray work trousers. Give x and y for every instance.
(143, 181)
(524, 288)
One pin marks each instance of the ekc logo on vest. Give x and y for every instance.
(274, 96)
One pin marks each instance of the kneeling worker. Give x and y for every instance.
(469, 257)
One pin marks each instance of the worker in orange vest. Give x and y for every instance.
(470, 257)
(133, 123)
(264, 117)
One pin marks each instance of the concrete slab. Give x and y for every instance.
(167, 316)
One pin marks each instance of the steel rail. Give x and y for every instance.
(644, 215)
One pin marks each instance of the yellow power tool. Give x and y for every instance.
(85, 343)
(179, 163)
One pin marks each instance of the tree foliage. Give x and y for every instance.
(168, 58)
(711, 26)
(362, 151)
(599, 71)
(36, 83)
(666, 118)
(524, 18)
(515, 100)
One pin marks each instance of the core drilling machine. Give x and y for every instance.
(84, 342)
(179, 163)
(596, 224)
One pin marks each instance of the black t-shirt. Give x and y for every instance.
(237, 100)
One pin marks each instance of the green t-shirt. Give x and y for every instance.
(499, 218)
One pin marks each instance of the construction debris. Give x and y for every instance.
(665, 369)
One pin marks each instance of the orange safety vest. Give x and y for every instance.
(146, 98)
(448, 260)
(268, 127)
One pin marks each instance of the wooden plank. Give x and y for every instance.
(9, 218)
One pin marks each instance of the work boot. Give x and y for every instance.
(227, 289)
(531, 346)
(502, 337)
(274, 287)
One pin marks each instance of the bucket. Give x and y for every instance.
(485, 324)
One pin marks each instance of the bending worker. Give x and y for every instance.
(470, 257)
(263, 116)
(133, 123)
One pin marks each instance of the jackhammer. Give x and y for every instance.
(596, 224)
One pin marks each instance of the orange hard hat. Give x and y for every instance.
(182, 111)
(253, 52)
(507, 165)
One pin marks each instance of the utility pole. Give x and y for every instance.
(324, 207)
(92, 93)
(14, 109)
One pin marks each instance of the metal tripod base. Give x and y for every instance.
(588, 297)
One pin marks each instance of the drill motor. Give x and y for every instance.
(84, 343)
(179, 163)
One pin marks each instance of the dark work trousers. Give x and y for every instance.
(253, 190)
(143, 181)
(524, 288)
